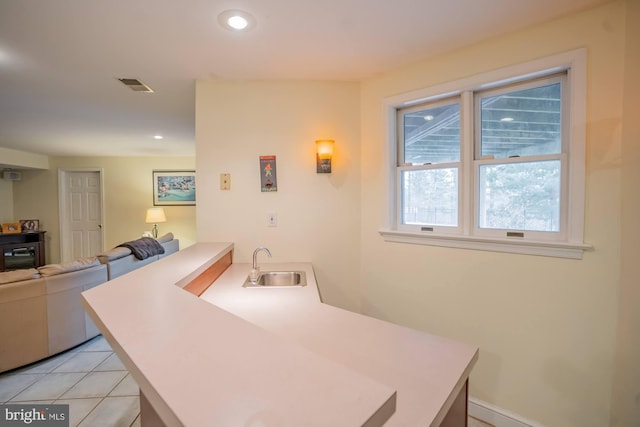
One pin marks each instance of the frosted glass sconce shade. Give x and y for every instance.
(324, 153)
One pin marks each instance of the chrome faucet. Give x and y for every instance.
(255, 270)
(255, 256)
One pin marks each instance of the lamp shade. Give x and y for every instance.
(155, 215)
(324, 148)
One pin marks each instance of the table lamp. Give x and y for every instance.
(154, 216)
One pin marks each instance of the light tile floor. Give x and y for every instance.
(89, 378)
(92, 381)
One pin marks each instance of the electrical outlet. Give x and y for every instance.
(272, 219)
(225, 181)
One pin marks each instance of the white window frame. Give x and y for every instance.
(570, 243)
(478, 161)
(403, 168)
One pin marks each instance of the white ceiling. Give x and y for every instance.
(59, 59)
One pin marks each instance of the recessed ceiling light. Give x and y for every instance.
(506, 119)
(236, 20)
(428, 118)
(158, 137)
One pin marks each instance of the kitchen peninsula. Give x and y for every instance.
(270, 356)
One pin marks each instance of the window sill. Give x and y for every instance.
(540, 248)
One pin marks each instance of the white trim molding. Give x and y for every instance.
(526, 247)
(496, 416)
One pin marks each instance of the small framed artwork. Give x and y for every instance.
(11, 228)
(268, 179)
(29, 225)
(174, 188)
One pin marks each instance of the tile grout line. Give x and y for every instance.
(102, 399)
(43, 378)
(89, 413)
(21, 390)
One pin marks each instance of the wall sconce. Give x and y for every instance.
(154, 216)
(324, 152)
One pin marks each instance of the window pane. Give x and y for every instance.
(430, 197)
(432, 135)
(521, 123)
(520, 196)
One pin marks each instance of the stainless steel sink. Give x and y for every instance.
(278, 278)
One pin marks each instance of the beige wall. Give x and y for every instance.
(546, 327)
(626, 392)
(128, 192)
(22, 159)
(6, 201)
(318, 214)
(18, 160)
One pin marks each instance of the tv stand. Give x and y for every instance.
(21, 250)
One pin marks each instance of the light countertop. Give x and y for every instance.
(278, 356)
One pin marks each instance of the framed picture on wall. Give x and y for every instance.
(268, 179)
(174, 188)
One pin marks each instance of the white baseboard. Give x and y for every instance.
(497, 416)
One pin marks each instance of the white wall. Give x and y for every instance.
(546, 327)
(318, 214)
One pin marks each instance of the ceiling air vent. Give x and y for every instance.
(136, 85)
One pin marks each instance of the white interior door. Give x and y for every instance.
(81, 214)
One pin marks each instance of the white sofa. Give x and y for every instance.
(43, 315)
(41, 311)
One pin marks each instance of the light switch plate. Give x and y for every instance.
(225, 181)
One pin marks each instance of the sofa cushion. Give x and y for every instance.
(66, 267)
(114, 254)
(124, 265)
(18, 275)
(165, 238)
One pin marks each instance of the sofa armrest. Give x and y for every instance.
(165, 238)
(170, 247)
